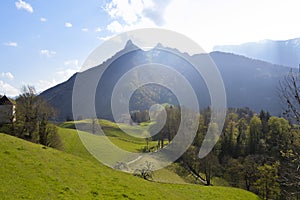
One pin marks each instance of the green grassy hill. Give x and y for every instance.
(171, 174)
(31, 171)
(73, 145)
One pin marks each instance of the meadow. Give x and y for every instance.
(33, 171)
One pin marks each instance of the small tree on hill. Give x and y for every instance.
(146, 171)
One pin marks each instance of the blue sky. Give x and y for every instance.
(42, 43)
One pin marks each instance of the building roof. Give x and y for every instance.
(6, 101)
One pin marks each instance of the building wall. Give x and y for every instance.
(6, 112)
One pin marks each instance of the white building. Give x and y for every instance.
(7, 110)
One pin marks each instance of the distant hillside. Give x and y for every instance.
(286, 52)
(248, 83)
(31, 171)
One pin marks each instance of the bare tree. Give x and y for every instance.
(145, 172)
(289, 92)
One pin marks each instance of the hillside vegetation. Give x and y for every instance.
(171, 174)
(32, 171)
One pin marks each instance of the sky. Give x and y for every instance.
(42, 43)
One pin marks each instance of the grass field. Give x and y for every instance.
(31, 171)
(115, 134)
(73, 145)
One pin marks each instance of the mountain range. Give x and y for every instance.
(248, 82)
(284, 52)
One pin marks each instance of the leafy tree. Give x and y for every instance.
(264, 117)
(279, 135)
(255, 132)
(249, 171)
(267, 184)
(242, 137)
(230, 135)
(27, 114)
(170, 127)
(32, 119)
(209, 166)
(234, 172)
(53, 139)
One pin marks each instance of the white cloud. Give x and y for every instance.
(42, 19)
(8, 89)
(74, 63)
(232, 22)
(156, 10)
(47, 52)
(128, 11)
(11, 44)
(105, 38)
(43, 85)
(85, 29)
(60, 76)
(128, 15)
(115, 27)
(72, 67)
(120, 9)
(68, 25)
(23, 5)
(7, 75)
(66, 73)
(209, 23)
(98, 29)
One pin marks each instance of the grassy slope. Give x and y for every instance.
(74, 146)
(30, 171)
(116, 135)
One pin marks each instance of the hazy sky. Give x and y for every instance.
(43, 43)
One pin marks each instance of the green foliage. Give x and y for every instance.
(209, 166)
(53, 138)
(230, 135)
(249, 171)
(245, 150)
(267, 184)
(170, 127)
(248, 143)
(32, 119)
(242, 138)
(279, 134)
(255, 134)
(234, 172)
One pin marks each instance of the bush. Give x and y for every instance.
(146, 172)
(53, 139)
